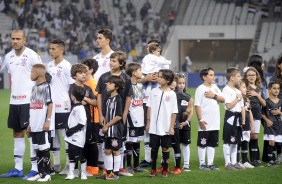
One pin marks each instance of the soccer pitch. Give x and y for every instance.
(257, 175)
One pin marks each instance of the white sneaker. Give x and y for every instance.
(248, 165)
(70, 176)
(46, 178)
(34, 178)
(123, 172)
(65, 170)
(83, 176)
(76, 173)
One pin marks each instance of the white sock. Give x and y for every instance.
(19, 149)
(226, 153)
(147, 148)
(233, 153)
(109, 162)
(72, 166)
(117, 163)
(202, 155)
(210, 154)
(100, 149)
(56, 148)
(66, 146)
(33, 159)
(186, 153)
(121, 155)
(83, 167)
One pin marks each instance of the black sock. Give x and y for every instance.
(264, 153)
(46, 161)
(251, 148)
(257, 152)
(95, 154)
(91, 154)
(128, 153)
(136, 154)
(274, 152)
(270, 153)
(165, 160)
(154, 157)
(239, 146)
(177, 154)
(244, 151)
(278, 148)
(40, 164)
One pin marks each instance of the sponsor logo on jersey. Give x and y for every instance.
(136, 103)
(58, 105)
(19, 97)
(36, 105)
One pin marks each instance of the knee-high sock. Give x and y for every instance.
(244, 151)
(202, 155)
(101, 153)
(33, 159)
(109, 160)
(19, 149)
(210, 154)
(270, 153)
(239, 147)
(46, 161)
(129, 152)
(122, 149)
(147, 147)
(226, 153)
(66, 146)
(136, 154)
(117, 163)
(278, 148)
(177, 155)
(253, 150)
(91, 154)
(56, 148)
(233, 153)
(165, 160)
(154, 157)
(186, 153)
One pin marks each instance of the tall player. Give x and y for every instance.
(104, 38)
(19, 62)
(60, 69)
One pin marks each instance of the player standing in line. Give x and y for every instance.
(19, 62)
(207, 97)
(59, 69)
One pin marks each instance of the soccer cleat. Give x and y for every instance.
(238, 166)
(256, 164)
(30, 174)
(248, 165)
(52, 171)
(83, 176)
(112, 176)
(164, 174)
(153, 173)
(213, 167)
(34, 178)
(130, 170)
(176, 170)
(204, 167)
(57, 168)
(160, 169)
(92, 170)
(13, 173)
(230, 167)
(271, 164)
(140, 169)
(123, 172)
(144, 163)
(45, 178)
(186, 168)
(65, 170)
(70, 176)
(102, 177)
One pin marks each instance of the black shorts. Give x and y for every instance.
(156, 141)
(231, 134)
(208, 138)
(76, 153)
(175, 140)
(40, 140)
(92, 132)
(113, 143)
(61, 120)
(185, 135)
(18, 118)
(135, 134)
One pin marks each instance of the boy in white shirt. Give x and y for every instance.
(207, 96)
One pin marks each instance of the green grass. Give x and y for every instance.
(257, 175)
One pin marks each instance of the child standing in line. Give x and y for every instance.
(162, 109)
(113, 127)
(246, 129)
(76, 133)
(135, 120)
(207, 97)
(41, 121)
(255, 94)
(233, 119)
(273, 124)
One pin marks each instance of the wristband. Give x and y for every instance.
(215, 96)
(48, 119)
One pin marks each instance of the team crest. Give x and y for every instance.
(104, 63)
(23, 61)
(114, 143)
(232, 139)
(203, 141)
(59, 73)
(167, 98)
(132, 133)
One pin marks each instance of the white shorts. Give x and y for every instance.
(257, 126)
(246, 135)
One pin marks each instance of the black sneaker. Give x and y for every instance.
(256, 164)
(204, 167)
(213, 167)
(144, 163)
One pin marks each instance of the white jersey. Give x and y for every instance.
(136, 111)
(77, 116)
(20, 69)
(61, 80)
(103, 64)
(152, 63)
(163, 104)
(231, 94)
(209, 107)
